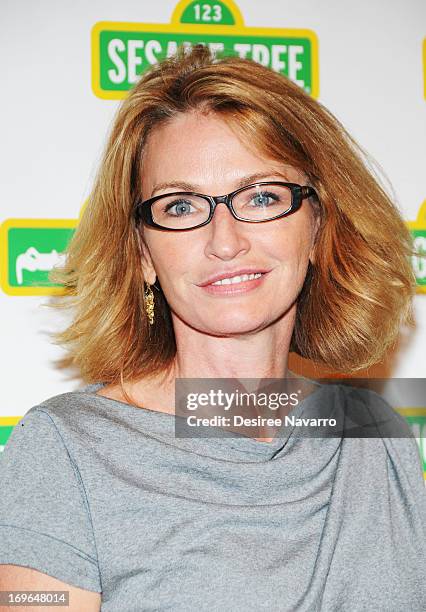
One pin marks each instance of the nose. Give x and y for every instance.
(226, 235)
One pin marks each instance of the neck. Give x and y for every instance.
(258, 354)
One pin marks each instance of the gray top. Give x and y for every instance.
(101, 495)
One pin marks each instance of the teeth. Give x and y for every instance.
(237, 279)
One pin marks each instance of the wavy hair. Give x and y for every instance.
(356, 295)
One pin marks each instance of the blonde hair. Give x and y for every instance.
(357, 293)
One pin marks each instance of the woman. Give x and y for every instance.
(116, 508)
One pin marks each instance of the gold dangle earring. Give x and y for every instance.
(149, 303)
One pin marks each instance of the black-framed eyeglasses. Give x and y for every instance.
(256, 203)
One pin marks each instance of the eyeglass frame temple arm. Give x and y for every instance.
(307, 191)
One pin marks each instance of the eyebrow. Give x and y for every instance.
(245, 180)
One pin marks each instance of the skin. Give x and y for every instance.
(238, 336)
(20, 578)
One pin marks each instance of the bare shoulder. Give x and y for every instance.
(19, 578)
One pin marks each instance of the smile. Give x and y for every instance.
(237, 279)
(235, 285)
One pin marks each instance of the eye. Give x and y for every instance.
(182, 207)
(264, 198)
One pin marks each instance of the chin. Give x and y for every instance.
(234, 327)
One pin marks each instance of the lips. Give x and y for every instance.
(231, 273)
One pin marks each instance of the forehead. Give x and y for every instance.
(204, 150)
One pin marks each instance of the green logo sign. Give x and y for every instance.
(418, 232)
(121, 52)
(419, 261)
(30, 249)
(416, 418)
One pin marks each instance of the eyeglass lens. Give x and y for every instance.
(258, 203)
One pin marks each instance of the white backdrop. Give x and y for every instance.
(53, 128)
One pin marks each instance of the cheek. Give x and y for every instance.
(172, 261)
(291, 252)
(290, 246)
